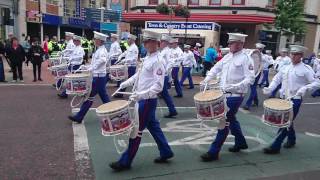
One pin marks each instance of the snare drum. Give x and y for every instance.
(277, 112)
(213, 84)
(210, 105)
(77, 83)
(53, 61)
(118, 72)
(115, 118)
(59, 70)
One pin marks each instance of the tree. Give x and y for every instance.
(289, 17)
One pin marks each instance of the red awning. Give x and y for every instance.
(198, 17)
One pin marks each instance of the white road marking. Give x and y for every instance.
(22, 84)
(312, 134)
(313, 103)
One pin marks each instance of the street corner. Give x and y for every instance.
(189, 138)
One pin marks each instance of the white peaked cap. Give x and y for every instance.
(198, 44)
(100, 36)
(69, 34)
(186, 46)
(174, 40)
(284, 50)
(150, 35)
(260, 46)
(131, 36)
(297, 49)
(165, 37)
(114, 35)
(75, 37)
(237, 37)
(225, 50)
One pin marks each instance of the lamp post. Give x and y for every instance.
(186, 28)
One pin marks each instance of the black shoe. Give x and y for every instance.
(171, 115)
(269, 150)
(54, 85)
(162, 159)
(178, 96)
(206, 157)
(39, 79)
(74, 119)
(34, 80)
(246, 108)
(118, 167)
(288, 145)
(62, 96)
(238, 148)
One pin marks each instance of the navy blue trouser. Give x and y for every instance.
(166, 96)
(175, 78)
(186, 73)
(265, 78)
(253, 93)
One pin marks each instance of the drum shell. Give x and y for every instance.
(210, 110)
(277, 118)
(118, 73)
(78, 85)
(59, 70)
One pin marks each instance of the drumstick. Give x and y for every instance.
(116, 92)
(205, 88)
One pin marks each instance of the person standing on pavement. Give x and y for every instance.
(2, 52)
(176, 57)
(75, 60)
(296, 79)
(98, 67)
(187, 64)
(237, 74)
(197, 56)
(115, 50)
(16, 56)
(36, 54)
(148, 82)
(26, 44)
(45, 47)
(211, 55)
(165, 53)
(53, 45)
(7, 44)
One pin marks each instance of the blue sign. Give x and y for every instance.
(78, 22)
(51, 19)
(179, 25)
(108, 26)
(95, 14)
(78, 8)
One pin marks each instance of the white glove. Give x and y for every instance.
(266, 90)
(301, 92)
(231, 87)
(134, 97)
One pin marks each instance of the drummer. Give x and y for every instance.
(176, 57)
(98, 68)
(280, 64)
(115, 49)
(237, 74)
(253, 97)
(188, 62)
(130, 58)
(296, 79)
(316, 68)
(164, 52)
(70, 45)
(148, 82)
(75, 60)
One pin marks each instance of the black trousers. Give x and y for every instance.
(206, 67)
(17, 66)
(2, 77)
(36, 66)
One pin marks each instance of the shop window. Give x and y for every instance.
(173, 2)
(193, 2)
(271, 3)
(215, 2)
(238, 2)
(153, 2)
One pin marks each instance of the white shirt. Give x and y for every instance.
(115, 50)
(188, 59)
(175, 57)
(99, 61)
(236, 69)
(267, 60)
(76, 57)
(164, 53)
(281, 62)
(294, 78)
(69, 48)
(150, 77)
(131, 55)
(316, 67)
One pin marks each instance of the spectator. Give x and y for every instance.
(2, 77)
(36, 54)
(197, 56)
(26, 46)
(209, 60)
(45, 47)
(16, 56)
(7, 44)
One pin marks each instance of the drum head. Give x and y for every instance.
(80, 75)
(208, 95)
(112, 106)
(277, 104)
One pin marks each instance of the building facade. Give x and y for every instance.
(7, 17)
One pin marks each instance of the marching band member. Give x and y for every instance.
(75, 59)
(237, 74)
(70, 45)
(115, 49)
(280, 63)
(296, 79)
(267, 61)
(165, 52)
(188, 62)
(316, 68)
(98, 67)
(148, 82)
(130, 59)
(176, 57)
(253, 97)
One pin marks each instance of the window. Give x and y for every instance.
(92, 3)
(271, 3)
(215, 2)
(153, 2)
(172, 2)
(238, 2)
(193, 2)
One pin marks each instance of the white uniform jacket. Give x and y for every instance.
(76, 57)
(115, 50)
(99, 61)
(175, 57)
(188, 59)
(131, 55)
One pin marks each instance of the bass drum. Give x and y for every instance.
(257, 60)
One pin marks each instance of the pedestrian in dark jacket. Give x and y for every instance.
(36, 54)
(16, 56)
(2, 50)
